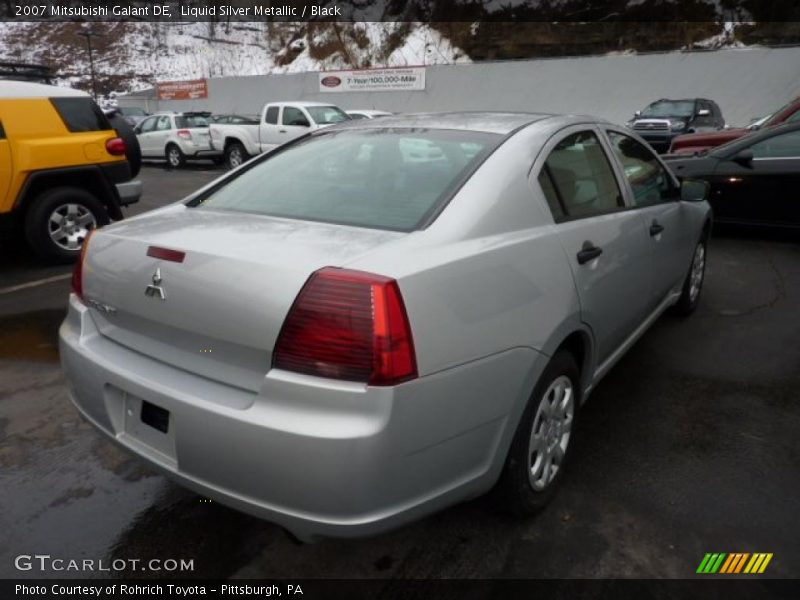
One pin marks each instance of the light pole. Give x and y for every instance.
(89, 34)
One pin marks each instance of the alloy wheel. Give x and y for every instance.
(69, 224)
(551, 432)
(698, 271)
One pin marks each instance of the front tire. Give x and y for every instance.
(59, 220)
(235, 155)
(175, 157)
(543, 440)
(693, 284)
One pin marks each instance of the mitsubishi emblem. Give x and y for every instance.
(155, 288)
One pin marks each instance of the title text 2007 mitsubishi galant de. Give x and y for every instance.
(385, 317)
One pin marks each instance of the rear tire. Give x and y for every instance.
(543, 440)
(693, 284)
(58, 221)
(235, 155)
(175, 157)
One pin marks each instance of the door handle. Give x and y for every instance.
(281, 131)
(588, 252)
(655, 228)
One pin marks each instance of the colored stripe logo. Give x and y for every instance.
(734, 563)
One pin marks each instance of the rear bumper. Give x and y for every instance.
(129, 192)
(199, 151)
(319, 457)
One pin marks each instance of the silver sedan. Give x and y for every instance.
(383, 318)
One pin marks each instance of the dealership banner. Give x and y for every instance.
(394, 79)
(182, 90)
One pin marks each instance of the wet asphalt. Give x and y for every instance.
(690, 445)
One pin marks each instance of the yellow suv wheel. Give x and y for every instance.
(60, 219)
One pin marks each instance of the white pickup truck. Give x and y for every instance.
(279, 123)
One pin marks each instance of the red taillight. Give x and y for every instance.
(116, 146)
(184, 133)
(77, 271)
(348, 325)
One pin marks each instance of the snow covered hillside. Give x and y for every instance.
(129, 56)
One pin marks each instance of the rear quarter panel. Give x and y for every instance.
(489, 274)
(39, 141)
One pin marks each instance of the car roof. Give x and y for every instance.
(301, 103)
(367, 111)
(26, 89)
(488, 122)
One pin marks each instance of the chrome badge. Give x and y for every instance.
(155, 288)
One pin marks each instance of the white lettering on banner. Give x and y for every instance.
(373, 80)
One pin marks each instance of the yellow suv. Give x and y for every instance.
(63, 167)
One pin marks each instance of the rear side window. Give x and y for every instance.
(393, 179)
(272, 115)
(192, 121)
(578, 179)
(2, 131)
(81, 114)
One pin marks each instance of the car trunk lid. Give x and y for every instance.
(224, 304)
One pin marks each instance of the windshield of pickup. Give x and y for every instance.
(669, 108)
(325, 115)
(394, 179)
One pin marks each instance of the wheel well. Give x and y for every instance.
(88, 180)
(577, 344)
(706, 230)
(230, 141)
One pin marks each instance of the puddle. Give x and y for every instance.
(31, 336)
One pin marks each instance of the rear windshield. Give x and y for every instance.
(379, 178)
(190, 121)
(670, 108)
(324, 115)
(81, 114)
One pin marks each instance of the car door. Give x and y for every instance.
(762, 190)
(5, 166)
(160, 135)
(144, 135)
(605, 241)
(268, 135)
(294, 123)
(704, 117)
(656, 195)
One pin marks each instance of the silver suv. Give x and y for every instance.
(177, 137)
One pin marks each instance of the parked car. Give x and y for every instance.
(279, 123)
(177, 137)
(63, 168)
(697, 142)
(133, 114)
(664, 119)
(234, 119)
(754, 179)
(367, 114)
(389, 336)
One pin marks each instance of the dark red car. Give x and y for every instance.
(695, 142)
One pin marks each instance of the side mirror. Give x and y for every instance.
(300, 123)
(744, 158)
(637, 114)
(694, 190)
(703, 112)
(137, 130)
